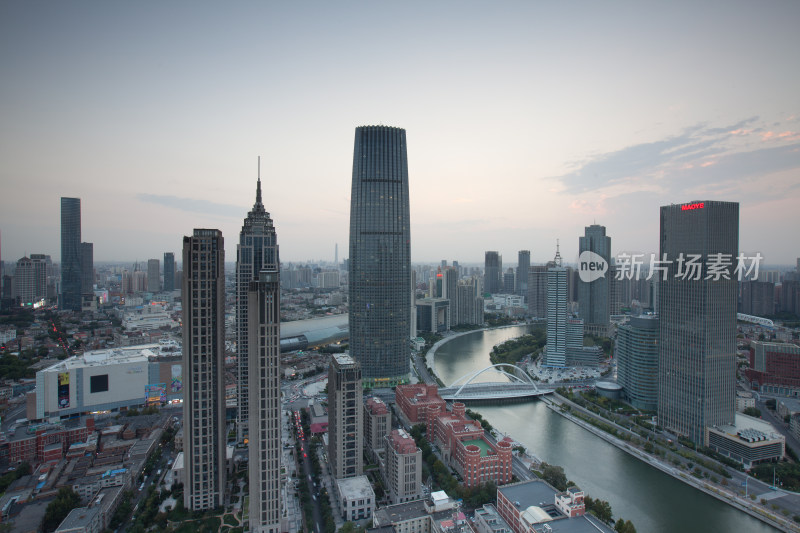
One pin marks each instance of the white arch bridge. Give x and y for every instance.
(519, 386)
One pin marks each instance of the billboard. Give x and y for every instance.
(63, 390)
(155, 394)
(176, 384)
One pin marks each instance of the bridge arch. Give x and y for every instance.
(498, 368)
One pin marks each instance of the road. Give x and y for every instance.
(304, 459)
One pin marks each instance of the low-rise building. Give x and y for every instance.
(774, 368)
(356, 498)
(750, 441)
(465, 447)
(488, 520)
(744, 400)
(413, 401)
(82, 520)
(416, 516)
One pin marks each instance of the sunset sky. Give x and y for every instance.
(526, 121)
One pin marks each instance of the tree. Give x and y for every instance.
(555, 476)
(753, 411)
(66, 500)
(624, 526)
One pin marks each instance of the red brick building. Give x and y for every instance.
(39, 446)
(774, 368)
(465, 447)
(414, 401)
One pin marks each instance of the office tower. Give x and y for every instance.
(509, 281)
(257, 250)
(493, 268)
(537, 291)
(153, 275)
(523, 268)
(70, 254)
(413, 317)
(593, 296)
(345, 417)
(126, 282)
(637, 361)
(697, 340)
(264, 446)
(30, 280)
(87, 268)
(204, 369)
(556, 349)
(380, 256)
(169, 272)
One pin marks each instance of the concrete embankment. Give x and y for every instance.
(729, 497)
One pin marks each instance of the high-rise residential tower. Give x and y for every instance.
(345, 417)
(593, 297)
(169, 272)
(493, 273)
(153, 275)
(264, 447)
(30, 280)
(380, 256)
(257, 249)
(697, 312)
(204, 369)
(70, 254)
(523, 268)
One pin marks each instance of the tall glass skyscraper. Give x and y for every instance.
(169, 271)
(257, 250)
(697, 311)
(380, 256)
(523, 269)
(71, 254)
(593, 297)
(493, 272)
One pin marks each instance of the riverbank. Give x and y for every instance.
(731, 498)
(468, 355)
(430, 356)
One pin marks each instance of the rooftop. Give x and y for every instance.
(528, 493)
(486, 449)
(355, 487)
(750, 426)
(79, 518)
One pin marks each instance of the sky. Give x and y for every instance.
(526, 121)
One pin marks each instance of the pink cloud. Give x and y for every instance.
(708, 164)
(740, 131)
(767, 135)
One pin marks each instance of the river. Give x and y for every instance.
(652, 500)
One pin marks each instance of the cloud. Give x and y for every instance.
(192, 205)
(716, 158)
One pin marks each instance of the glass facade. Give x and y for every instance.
(697, 350)
(637, 361)
(380, 256)
(71, 273)
(593, 297)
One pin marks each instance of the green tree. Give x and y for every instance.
(624, 526)
(555, 476)
(57, 510)
(753, 411)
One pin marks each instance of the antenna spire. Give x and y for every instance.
(258, 186)
(557, 259)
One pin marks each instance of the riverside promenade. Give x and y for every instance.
(727, 495)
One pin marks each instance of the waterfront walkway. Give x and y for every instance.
(728, 494)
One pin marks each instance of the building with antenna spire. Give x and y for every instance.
(556, 350)
(257, 249)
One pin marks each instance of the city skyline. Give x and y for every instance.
(529, 121)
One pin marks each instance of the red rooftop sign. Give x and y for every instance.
(689, 207)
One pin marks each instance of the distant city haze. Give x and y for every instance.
(527, 121)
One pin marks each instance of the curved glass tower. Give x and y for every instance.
(380, 256)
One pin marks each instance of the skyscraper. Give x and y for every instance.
(257, 250)
(697, 311)
(636, 351)
(70, 254)
(380, 256)
(537, 291)
(593, 297)
(153, 275)
(264, 447)
(556, 349)
(87, 268)
(493, 271)
(345, 417)
(523, 268)
(169, 272)
(30, 280)
(204, 369)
